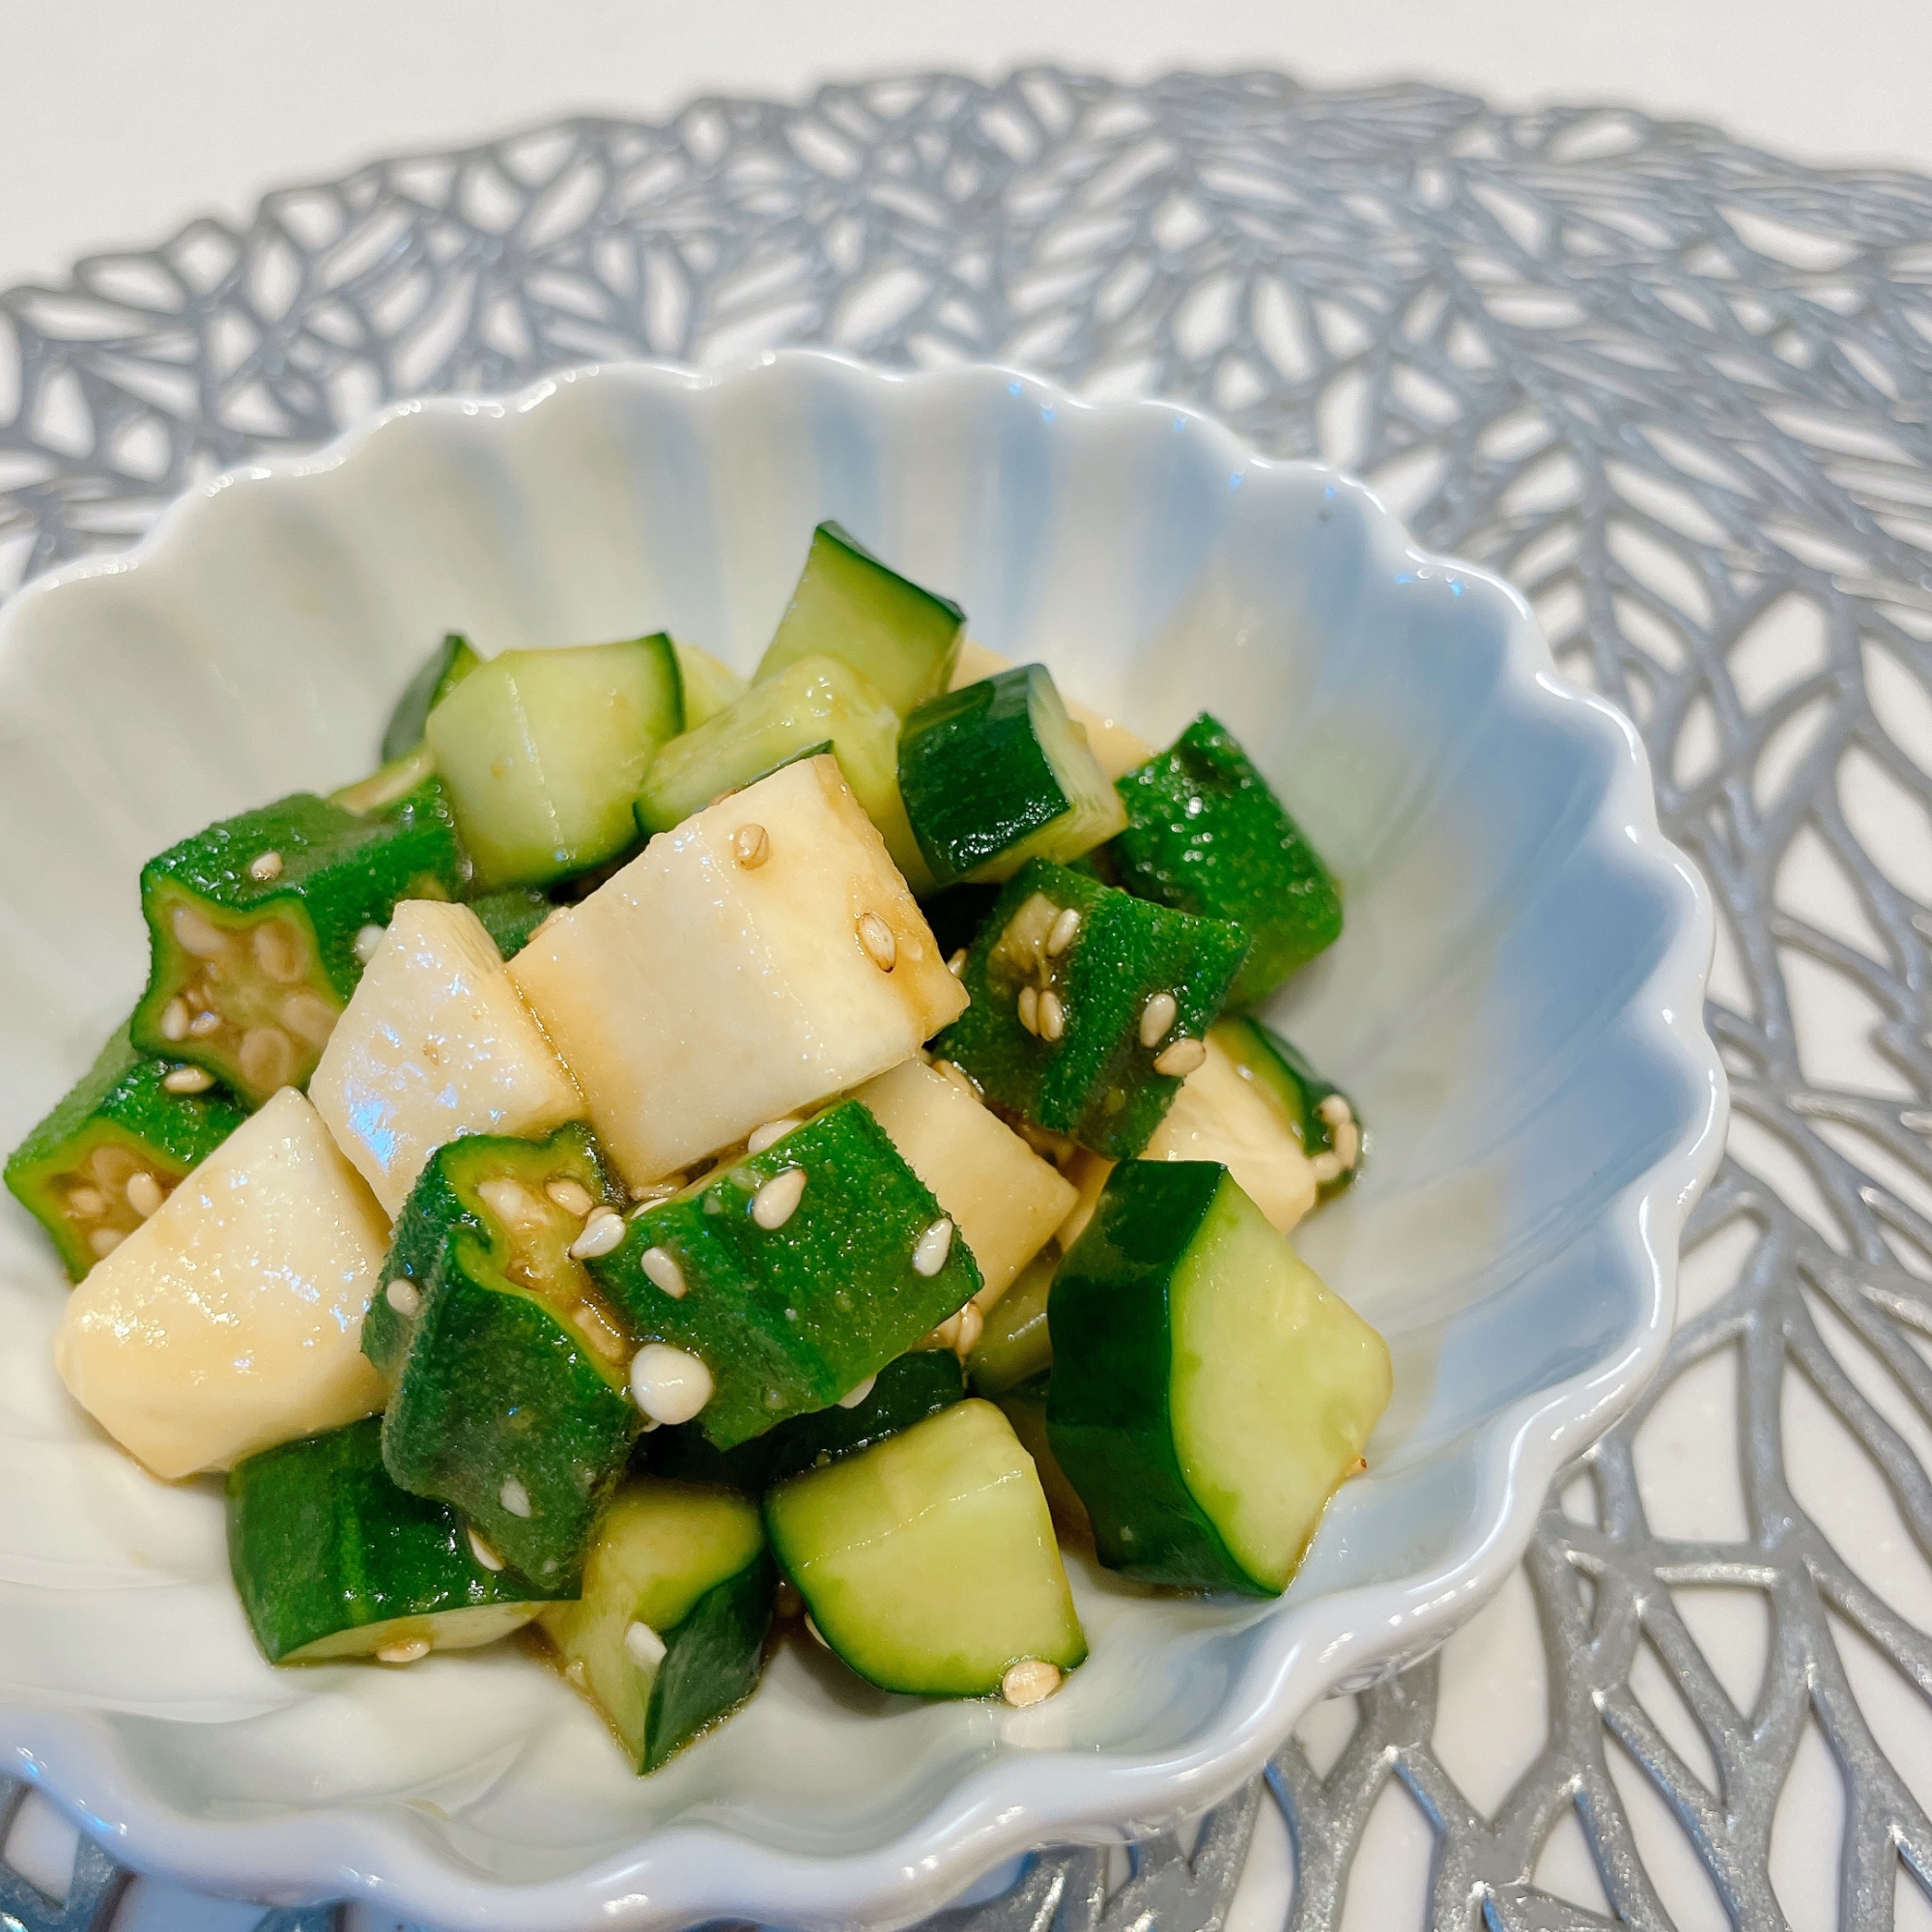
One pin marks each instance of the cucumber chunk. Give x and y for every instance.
(848, 605)
(227, 1321)
(333, 1560)
(440, 674)
(669, 1637)
(112, 1151)
(1209, 1394)
(721, 979)
(255, 925)
(512, 916)
(929, 1562)
(996, 773)
(1015, 1346)
(435, 1043)
(1089, 1005)
(709, 685)
(792, 1298)
(1206, 834)
(543, 752)
(1321, 1118)
(1117, 749)
(816, 704)
(506, 1366)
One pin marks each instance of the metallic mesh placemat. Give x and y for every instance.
(1677, 388)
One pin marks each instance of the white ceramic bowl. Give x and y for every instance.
(1515, 1005)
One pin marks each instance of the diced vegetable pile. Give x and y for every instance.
(666, 1156)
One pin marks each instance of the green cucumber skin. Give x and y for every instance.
(1284, 1072)
(440, 674)
(790, 1319)
(714, 1656)
(1107, 1413)
(1096, 1084)
(1207, 836)
(974, 775)
(909, 1388)
(119, 1097)
(320, 1541)
(510, 917)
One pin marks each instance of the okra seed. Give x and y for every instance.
(413, 1652)
(857, 1393)
(144, 1193)
(105, 1241)
(187, 1080)
(204, 1023)
(174, 1020)
(1157, 1016)
(197, 934)
(934, 1245)
(280, 952)
(267, 1059)
(668, 1385)
(514, 1497)
(602, 1233)
(310, 1017)
(957, 965)
(1029, 1008)
(876, 937)
(367, 939)
(508, 1200)
(644, 1647)
(772, 1131)
(751, 847)
(1181, 1057)
(777, 1201)
(87, 1201)
(572, 1196)
(1052, 1017)
(404, 1297)
(1065, 929)
(483, 1553)
(266, 866)
(661, 1266)
(1029, 1681)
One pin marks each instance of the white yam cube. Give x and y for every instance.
(762, 955)
(232, 1319)
(1005, 1201)
(435, 1043)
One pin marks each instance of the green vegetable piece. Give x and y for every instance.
(1209, 1394)
(542, 752)
(1320, 1115)
(440, 674)
(956, 915)
(506, 1366)
(407, 787)
(1206, 834)
(1013, 1344)
(259, 924)
(511, 915)
(815, 705)
(996, 772)
(848, 605)
(1089, 1005)
(669, 1637)
(1025, 1405)
(928, 1561)
(792, 1298)
(333, 1560)
(112, 1151)
(709, 684)
(907, 1390)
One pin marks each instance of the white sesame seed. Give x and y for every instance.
(876, 937)
(957, 965)
(1181, 1057)
(661, 1266)
(414, 1652)
(817, 1635)
(87, 1201)
(572, 1196)
(1327, 1167)
(514, 1497)
(187, 1080)
(1347, 1143)
(971, 1326)
(668, 1385)
(934, 1245)
(1157, 1016)
(1065, 929)
(1334, 1110)
(1029, 1681)
(105, 1241)
(404, 1297)
(175, 1020)
(1052, 1017)
(751, 847)
(483, 1553)
(144, 1193)
(1029, 1008)
(777, 1201)
(204, 1024)
(760, 1138)
(367, 939)
(603, 1231)
(857, 1393)
(644, 1647)
(266, 866)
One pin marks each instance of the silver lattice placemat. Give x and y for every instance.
(1677, 388)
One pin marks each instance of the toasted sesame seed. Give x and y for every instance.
(668, 1385)
(175, 1020)
(643, 1646)
(87, 1201)
(1157, 1016)
(1181, 1057)
(414, 1652)
(1029, 1681)
(514, 1497)
(603, 1231)
(876, 937)
(144, 1193)
(751, 847)
(1052, 1017)
(267, 1057)
(1029, 1008)
(187, 1080)
(204, 1023)
(957, 965)
(367, 939)
(483, 1553)
(760, 1138)
(266, 866)
(934, 1245)
(777, 1201)
(661, 1266)
(1327, 1167)
(857, 1393)
(197, 934)
(105, 1241)
(572, 1196)
(1065, 930)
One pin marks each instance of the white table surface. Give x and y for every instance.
(120, 119)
